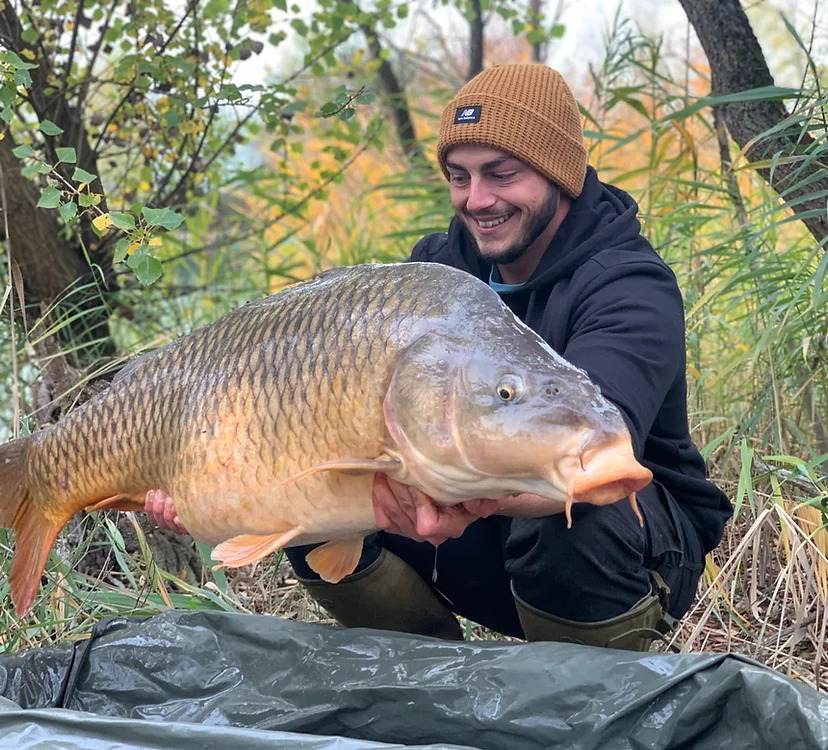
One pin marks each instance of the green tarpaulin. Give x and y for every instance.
(200, 679)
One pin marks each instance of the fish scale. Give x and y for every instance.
(268, 426)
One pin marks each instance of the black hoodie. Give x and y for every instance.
(604, 299)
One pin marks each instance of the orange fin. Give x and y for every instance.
(336, 559)
(351, 465)
(35, 533)
(636, 509)
(116, 502)
(247, 549)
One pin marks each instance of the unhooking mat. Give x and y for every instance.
(194, 680)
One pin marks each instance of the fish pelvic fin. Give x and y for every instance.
(247, 549)
(347, 465)
(336, 559)
(35, 533)
(117, 502)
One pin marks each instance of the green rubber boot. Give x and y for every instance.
(634, 630)
(387, 595)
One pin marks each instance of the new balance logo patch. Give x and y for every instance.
(467, 114)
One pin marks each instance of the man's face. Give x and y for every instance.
(506, 205)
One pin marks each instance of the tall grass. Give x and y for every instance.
(755, 293)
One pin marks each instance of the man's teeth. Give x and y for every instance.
(492, 223)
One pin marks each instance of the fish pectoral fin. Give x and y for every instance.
(247, 549)
(116, 502)
(336, 559)
(349, 465)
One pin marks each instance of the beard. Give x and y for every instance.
(538, 223)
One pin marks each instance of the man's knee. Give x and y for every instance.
(590, 572)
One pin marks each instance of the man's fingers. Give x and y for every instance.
(393, 507)
(482, 507)
(160, 511)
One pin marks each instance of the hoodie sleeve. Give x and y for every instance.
(429, 248)
(627, 332)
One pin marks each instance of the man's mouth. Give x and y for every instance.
(493, 222)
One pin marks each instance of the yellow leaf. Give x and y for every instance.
(155, 242)
(112, 127)
(144, 185)
(28, 54)
(133, 247)
(694, 372)
(102, 223)
(2, 136)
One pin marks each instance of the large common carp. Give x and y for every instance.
(267, 426)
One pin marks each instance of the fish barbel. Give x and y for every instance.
(268, 425)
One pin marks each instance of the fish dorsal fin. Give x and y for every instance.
(349, 465)
(117, 502)
(134, 365)
(247, 549)
(336, 559)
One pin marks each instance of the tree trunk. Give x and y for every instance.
(50, 263)
(737, 64)
(397, 99)
(476, 25)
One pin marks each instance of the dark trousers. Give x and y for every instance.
(596, 570)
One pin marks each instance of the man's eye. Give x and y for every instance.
(458, 178)
(504, 175)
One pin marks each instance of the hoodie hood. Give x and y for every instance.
(601, 218)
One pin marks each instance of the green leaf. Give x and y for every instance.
(147, 269)
(23, 150)
(66, 154)
(89, 199)
(162, 217)
(120, 251)
(68, 211)
(29, 171)
(14, 60)
(22, 78)
(48, 127)
(49, 198)
(122, 220)
(81, 175)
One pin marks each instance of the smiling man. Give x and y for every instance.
(565, 252)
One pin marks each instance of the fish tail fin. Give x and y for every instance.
(35, 533)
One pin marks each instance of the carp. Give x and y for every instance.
(268, 425)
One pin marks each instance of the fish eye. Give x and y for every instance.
(509, 389)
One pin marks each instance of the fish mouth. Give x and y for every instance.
(608, 473)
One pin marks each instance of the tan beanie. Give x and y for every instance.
(525, 109)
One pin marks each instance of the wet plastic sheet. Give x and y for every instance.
(195, 680)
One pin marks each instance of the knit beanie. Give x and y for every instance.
(525, 109)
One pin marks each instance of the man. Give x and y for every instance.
(565, 253)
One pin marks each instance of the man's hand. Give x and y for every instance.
(161, 512)
(407, 511)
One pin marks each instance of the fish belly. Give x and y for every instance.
(326, 506)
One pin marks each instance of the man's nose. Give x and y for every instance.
(480, 196)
